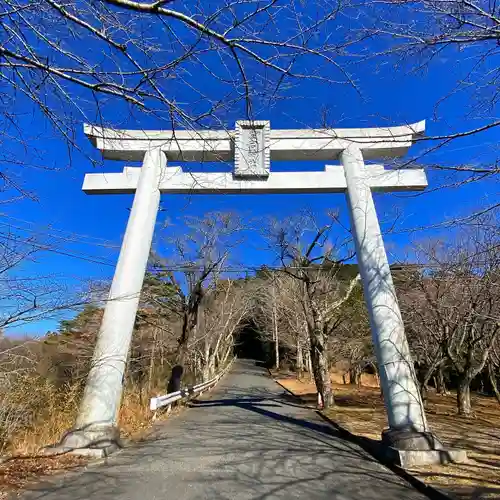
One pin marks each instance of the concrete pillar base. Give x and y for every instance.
(96, 441)
(410, 440)
(407, 459)
(408, 448)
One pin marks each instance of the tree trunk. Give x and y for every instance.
(151, 363)
(276, 353)
(440, 381)
(355, 375)
(424, 382)
(300, 359)
(205, 362)
(217, 362)
(276, 344)
(190, 323)
(493, 381)
(376, 373)
(223, 359)
(198, 365)
(205, 375)
(319, 360)
(463, 397)
(211, 365)
(275, 332)
(309, 362)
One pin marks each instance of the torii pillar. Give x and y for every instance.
(252, 146)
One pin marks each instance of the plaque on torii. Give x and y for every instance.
(252, 145)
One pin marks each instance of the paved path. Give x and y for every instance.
(246, 441)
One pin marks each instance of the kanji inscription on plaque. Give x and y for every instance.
(252, 152)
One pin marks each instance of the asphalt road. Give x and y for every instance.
(247, 440)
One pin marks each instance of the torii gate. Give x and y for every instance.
(252, 146)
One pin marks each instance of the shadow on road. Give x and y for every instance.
(247, 441)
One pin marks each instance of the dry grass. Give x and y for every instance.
(360, 410)
(55, 413)
(135, 417)
(59, 412)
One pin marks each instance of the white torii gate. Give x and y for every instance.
(252, 146)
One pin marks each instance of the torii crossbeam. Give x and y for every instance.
(252, 146)
(173, 180)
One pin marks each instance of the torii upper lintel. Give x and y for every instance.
(283, 145)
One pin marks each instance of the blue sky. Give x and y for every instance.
(389, 97)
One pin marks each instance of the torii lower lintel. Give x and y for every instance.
(173, 180)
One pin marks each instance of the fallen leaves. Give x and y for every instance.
(17, 472)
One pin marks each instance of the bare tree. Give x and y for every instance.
(432, 35)
(276, 314)
(25, 296)
(195, 273)
(455, 307)
(306, 253)
(427, 342)
(223, 316)
(352, 341)
(494, 369)
(186, 65)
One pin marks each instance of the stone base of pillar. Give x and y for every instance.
(410, 440)
(408, 448)
(96, 441)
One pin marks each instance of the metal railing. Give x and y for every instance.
(189, 392)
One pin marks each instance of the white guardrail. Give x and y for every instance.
(168, 399)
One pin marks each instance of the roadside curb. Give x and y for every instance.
(283, 387)
(298, 398)
(374, 449)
